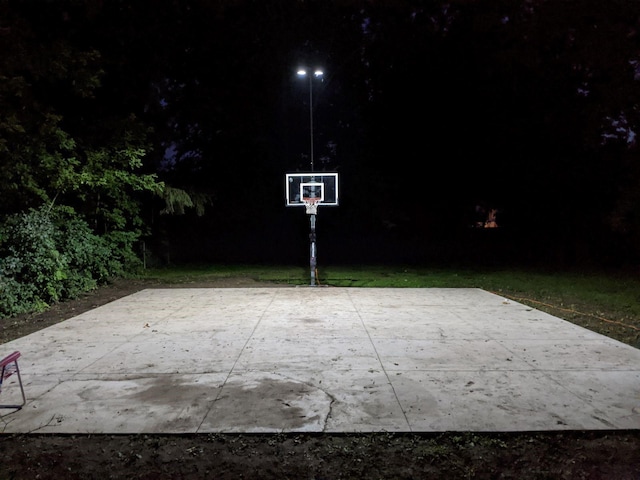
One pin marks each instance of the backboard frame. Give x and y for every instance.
(322, 185)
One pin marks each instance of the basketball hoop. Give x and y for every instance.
(311, 204)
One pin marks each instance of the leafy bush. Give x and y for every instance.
(16, 298)
(86, 256)
(123, 259)
(51, 255)
(32, 266)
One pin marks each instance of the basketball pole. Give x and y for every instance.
(312, 257)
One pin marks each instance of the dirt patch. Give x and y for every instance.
(539, 455)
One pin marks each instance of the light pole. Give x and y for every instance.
(303, 72)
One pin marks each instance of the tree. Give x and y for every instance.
(57, 145)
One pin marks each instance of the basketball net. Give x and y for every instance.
(311, 204)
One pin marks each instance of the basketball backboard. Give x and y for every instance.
(320, 185)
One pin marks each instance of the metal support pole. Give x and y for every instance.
(312, 261)
(311, 114)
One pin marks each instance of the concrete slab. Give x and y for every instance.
(320, 359)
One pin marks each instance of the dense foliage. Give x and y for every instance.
(51, 255)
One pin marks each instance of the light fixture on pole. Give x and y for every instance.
(303, 72)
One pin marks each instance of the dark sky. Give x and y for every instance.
(430, 113)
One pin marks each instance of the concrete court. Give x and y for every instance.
(320, 359)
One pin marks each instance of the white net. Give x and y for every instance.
(311, 204)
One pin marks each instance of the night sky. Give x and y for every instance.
(434, 114)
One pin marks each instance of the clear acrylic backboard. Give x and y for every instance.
(321, 187)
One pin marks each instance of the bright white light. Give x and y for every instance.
(303, 73)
